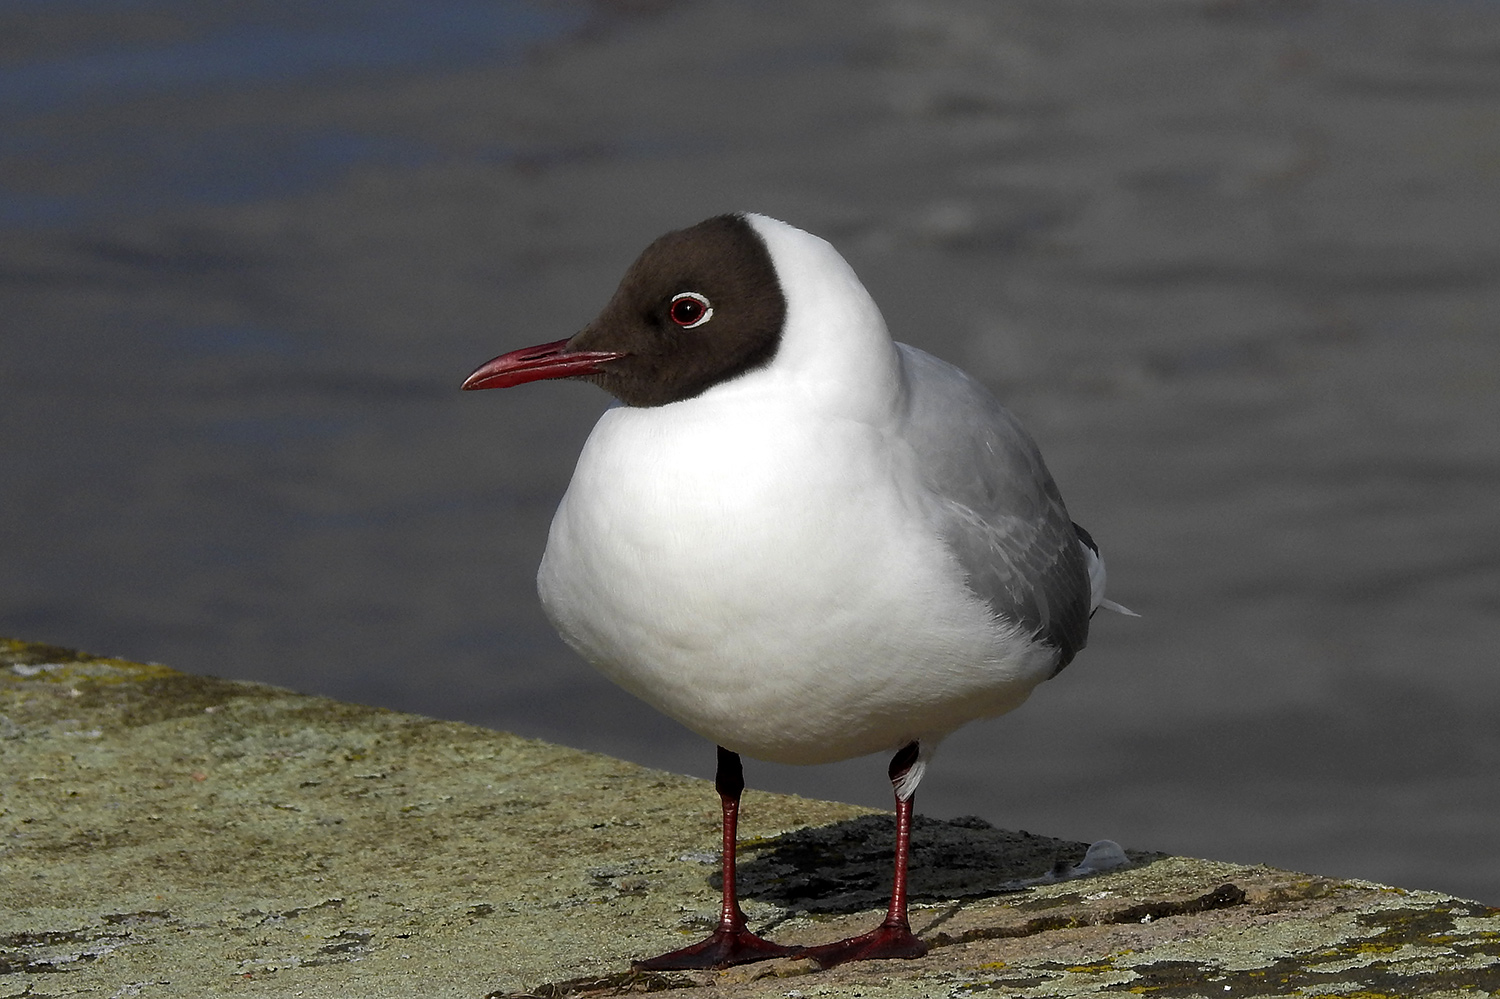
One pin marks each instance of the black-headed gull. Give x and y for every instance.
(802, 540)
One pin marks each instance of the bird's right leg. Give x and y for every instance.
(893, 937)
(731, 943)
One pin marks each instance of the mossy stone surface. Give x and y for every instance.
(175, 835)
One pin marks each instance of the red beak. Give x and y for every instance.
(532, 364)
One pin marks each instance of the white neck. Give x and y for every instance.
(835, 349)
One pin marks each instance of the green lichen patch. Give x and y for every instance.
(1413, 951)
(42, 684)
(55, 664)
(1168, 979)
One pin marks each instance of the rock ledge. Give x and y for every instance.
(176, 835)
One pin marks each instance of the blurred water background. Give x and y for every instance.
(1236, 264)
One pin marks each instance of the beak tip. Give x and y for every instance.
(478, 378)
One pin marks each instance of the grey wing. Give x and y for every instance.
(1002, 515)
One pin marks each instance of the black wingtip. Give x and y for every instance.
(1086, 537)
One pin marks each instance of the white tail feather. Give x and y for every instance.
(1097, 577)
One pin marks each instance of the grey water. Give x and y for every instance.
(1237, 266)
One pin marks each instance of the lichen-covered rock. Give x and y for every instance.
(173, 835)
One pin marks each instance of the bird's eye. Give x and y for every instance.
(690, 309)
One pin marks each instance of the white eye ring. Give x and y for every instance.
(708, 310)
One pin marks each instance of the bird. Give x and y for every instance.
(804, 541)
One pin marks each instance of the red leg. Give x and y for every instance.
(731, 942)
(893, 937)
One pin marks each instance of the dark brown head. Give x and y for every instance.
(700, 306)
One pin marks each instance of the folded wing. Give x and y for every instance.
(1001, 514)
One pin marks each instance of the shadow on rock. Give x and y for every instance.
(846, 867)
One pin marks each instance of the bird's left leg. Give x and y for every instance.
(893, 937)
(732, 942)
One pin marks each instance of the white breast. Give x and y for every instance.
(760, 573)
